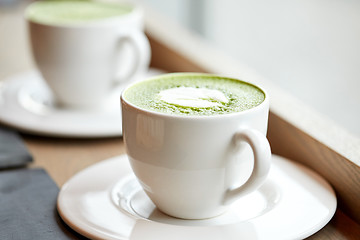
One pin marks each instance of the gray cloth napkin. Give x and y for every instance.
(28, 206)
(27, 196)
(13, 152)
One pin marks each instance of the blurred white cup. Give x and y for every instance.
(82, 61)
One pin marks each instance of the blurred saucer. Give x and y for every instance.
(105, 201)
(27, 104)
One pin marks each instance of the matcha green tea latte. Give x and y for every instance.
(72, 12)
(194, 94)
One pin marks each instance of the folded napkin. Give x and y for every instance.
(27, 195)
(28, 206)
(13, 152)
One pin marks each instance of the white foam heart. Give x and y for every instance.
(193, 97)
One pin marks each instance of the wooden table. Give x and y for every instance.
(295, 131)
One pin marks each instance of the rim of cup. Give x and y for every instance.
(215, 116)
(136, 11)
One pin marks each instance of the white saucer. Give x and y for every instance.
(105, 201)
(27, 104)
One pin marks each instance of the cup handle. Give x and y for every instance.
(262, 162)
(140, 47)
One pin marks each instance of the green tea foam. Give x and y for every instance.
(191, 94)
(68, 12)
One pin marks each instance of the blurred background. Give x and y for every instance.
(310, 48)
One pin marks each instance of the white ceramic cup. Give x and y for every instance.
(194, 167)
(83, 62)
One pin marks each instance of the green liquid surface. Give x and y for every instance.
(68, 12)
(241, 95)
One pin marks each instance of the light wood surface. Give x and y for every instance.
(295, 131)
(291, 142)
(63, 158)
